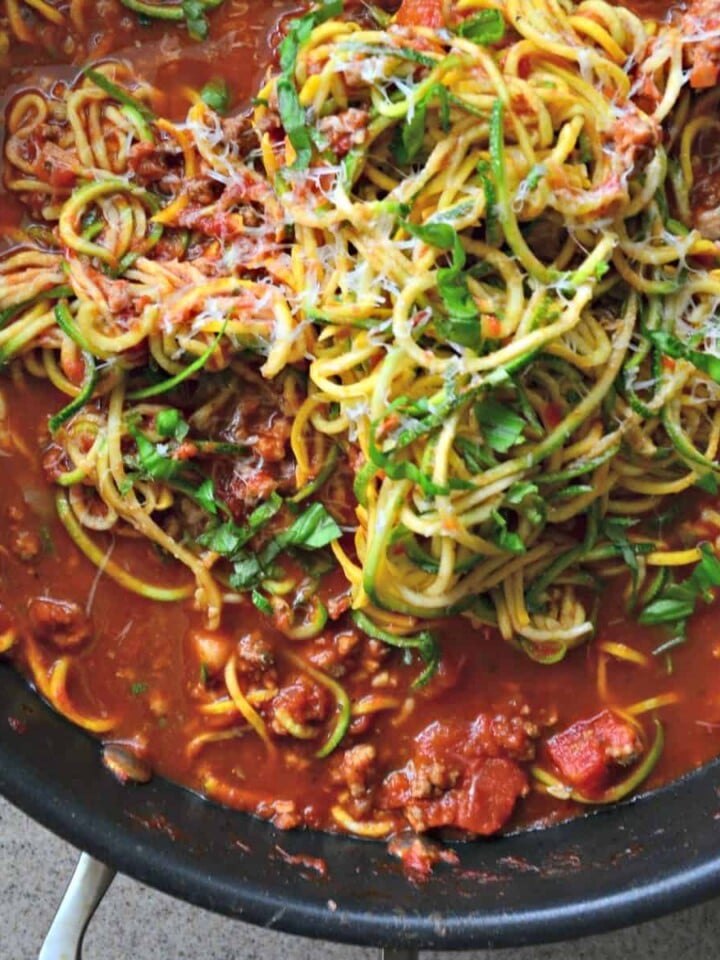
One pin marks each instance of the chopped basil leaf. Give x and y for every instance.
(677, 601)
(228, 538)
(216, 95)
(525, 495)
(409, 138)
(261, 602)
(505, 538)
(708, 483)
(264, 512)
(615, 529)
(171, 424)
(195, 19)
(246, 573)
(153, 463)
(709, 363)
(520, 490)
(486, 27)
(152, 460)
(292, 114)
(476, 457)
(205, 495)
(313, 529)
(502, 428)
(462, 324)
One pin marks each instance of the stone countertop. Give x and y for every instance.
(136, 923)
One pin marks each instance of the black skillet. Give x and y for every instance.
(657, 854)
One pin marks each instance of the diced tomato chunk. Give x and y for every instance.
(464, 774)
(586, 753)
(486, 799)
(420, 13)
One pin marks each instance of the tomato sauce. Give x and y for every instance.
(147, 668)
(141, 672)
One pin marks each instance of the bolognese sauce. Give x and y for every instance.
(360, 404)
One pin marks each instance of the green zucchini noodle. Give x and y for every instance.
(465, 259)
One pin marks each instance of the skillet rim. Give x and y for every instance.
(639, 860)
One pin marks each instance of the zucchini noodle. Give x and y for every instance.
(467, 263)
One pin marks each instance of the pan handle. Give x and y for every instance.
(85, 891)
(82, 897)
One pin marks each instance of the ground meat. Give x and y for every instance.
(336, 651)
(463, 775)
(337, 606)
(60, 623)
(239, 130)
(419, 855)
(708, 223)
(700, 27)
(254, 653)
(633, 131)
(150, 162)
(303, 701)
(345, 130)
(283, 813)
(55, 463)
(480, 803)
(268, 465)
(705, 196)
(357, 768)
(26, 545)
(56, 166)
(118, 293)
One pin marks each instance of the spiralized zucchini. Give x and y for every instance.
(476, 242)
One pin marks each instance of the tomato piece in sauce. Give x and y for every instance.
(586, 753)
(420, 13)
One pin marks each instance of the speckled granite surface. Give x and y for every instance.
(135, 923)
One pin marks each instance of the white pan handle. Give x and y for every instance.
(85, 891)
